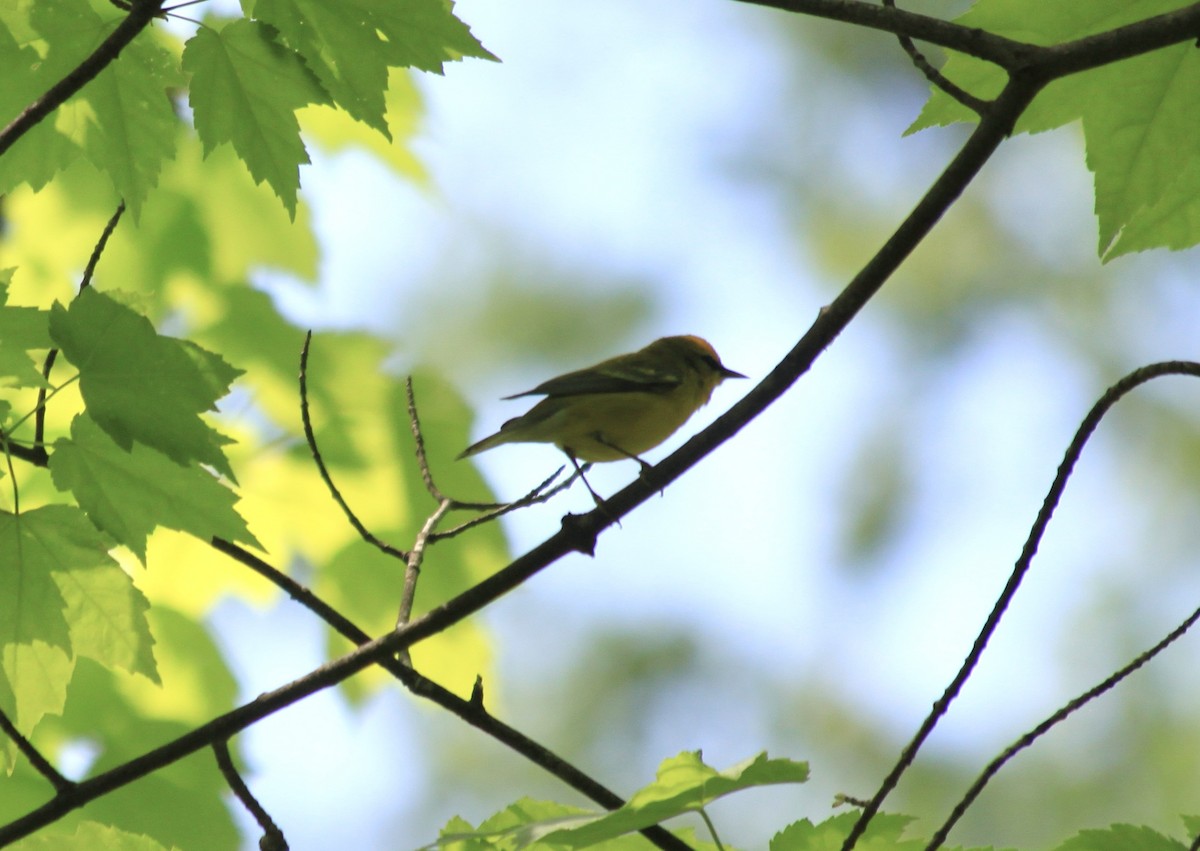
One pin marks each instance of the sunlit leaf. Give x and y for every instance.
(128, 493)
(245, 90)
(139, 385)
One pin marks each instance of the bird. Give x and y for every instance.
(618, 408)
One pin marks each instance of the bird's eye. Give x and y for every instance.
(712, 362)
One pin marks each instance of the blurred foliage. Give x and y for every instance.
(507, 299)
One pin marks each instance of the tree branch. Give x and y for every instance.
(936, 77)
(1049, 723)
(578, 533)
(39, 762)
(272, 838)
(140, 15)
(1006, 52)
(1028, 551)
(472, 711)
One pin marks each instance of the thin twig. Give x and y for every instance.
(272, 839)
(472, 711)
(1058, 717)
(414, 422)
(39, 421)
(936, 77)
(493, 510)
(311, 438)
(499, 508)
(416, 556)
(39, 762)
(1028, 551)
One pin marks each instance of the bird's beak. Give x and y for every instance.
(729, 373)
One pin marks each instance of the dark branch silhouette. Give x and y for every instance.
(1049, 504)
(272, 838)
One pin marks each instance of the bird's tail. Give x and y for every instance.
(483, 445)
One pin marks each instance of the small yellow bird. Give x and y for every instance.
(620, 407)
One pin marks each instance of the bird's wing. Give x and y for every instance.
(607, 377)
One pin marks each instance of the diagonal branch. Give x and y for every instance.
(471, 711)
(140, 15)
(579, 532)
(39, 421)
(35, 757)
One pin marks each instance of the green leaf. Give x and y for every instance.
(684, 784)
(527, 822)
(422, 33)
(341, 46)
(1143, 145)
(1121, 837)
(882, 834)
(351, 45)
(35, 681)
(122, 120)
(105, 615)
(21, 329)
(31, 605)
(61, 594)
(128, 494)
(133, 125)
(245, 90)
(139, 385)
(87, 836)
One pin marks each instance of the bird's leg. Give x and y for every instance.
(599, 438)
(600, 503)
(643, 473)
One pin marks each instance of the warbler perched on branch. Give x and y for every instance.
(620, 407)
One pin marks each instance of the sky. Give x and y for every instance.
(620, 135)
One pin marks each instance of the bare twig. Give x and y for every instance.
(39, 762)
(496, 508)
(1059, 716)
(493, 510)
(311, 438)
(140, 15)
(936, 77)
(471, 711)
(412, 568)
(414, 422)
(272, 839)
(1049, 504)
